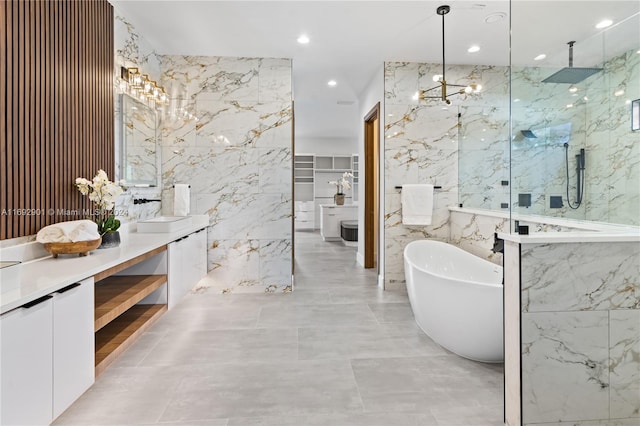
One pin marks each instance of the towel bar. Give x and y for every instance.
(435, 187)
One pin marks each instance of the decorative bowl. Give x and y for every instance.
(81, 248)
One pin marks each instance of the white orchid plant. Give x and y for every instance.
(103, 193)
(342, 183)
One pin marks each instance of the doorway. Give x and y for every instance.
(372, 186)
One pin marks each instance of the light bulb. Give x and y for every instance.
(437, 77)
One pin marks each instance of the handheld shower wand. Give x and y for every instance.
(580, 169)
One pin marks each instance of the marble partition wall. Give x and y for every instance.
(422, 145)
(228, 133)
(133, 50)
(580, 324)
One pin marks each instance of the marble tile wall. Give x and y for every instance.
(227, 133)
(591, 118)
(580, 333)
(133, 50)
(475, 233)
(422, 141)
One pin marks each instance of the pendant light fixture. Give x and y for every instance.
(444, 96)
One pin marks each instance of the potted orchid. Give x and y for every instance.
(341, 184)
(103, 193)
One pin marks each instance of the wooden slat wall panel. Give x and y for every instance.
(56, 115)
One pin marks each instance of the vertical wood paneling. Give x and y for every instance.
(56, 120)
(3, 112)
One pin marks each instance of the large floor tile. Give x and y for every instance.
(316, 315)
(265, 389)
(224, 346)
(364, 419)
(337, 351)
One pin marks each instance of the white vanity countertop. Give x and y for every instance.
(46, 275)
(571, 237)
(335, 205)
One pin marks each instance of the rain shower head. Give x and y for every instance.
(528, 134)
(571, 74)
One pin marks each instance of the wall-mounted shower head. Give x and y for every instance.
(528, 134)
(571, 74)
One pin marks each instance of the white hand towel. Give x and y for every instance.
(181, 199)
(69, 232)
(417, 204)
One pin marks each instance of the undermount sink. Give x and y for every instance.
(164, 224)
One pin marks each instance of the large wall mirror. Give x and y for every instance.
(140, 153)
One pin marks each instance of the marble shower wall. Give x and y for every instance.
(133, 50)
(592, 118)
(580, 333)
(228, 133)
(423, 140)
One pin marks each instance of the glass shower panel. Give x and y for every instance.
(573, 153)
(484, 157)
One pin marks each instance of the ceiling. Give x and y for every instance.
(350, 40)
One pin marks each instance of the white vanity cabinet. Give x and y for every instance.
(187, 264)
(47, 349)
(73, 343)
(26, 338)
(330, 217)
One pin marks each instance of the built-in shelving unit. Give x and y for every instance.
(311, 175)
(119, 316)
(355, 166)
(303, 177)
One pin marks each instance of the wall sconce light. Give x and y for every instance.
(441, 79)
(140, 86)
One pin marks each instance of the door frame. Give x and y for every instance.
(372, 188)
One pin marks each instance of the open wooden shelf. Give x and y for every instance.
(115, 294)
(120, 333)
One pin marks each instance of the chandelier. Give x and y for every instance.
(441, 79)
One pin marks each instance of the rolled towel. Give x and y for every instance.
(69, 232)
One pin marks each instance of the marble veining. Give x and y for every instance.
(565, 375)
(624, 363)
(228, 134)
(574, 277)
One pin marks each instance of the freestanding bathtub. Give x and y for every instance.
(456, 299)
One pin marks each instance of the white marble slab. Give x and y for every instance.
(565, 374)
(577, 276)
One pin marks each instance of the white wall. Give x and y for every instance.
(373, 94)
(326, 146)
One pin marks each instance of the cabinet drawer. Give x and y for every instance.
(26, 363)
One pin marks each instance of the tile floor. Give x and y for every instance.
(336, 351)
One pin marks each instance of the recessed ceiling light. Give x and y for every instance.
(303, 39)
(618, 92)
(627, 102)
(604, 24)
(332, 83)
(495, 17)
(516, 100)
(569, 105)
(473, 49)
(540, 57)
(573, 89)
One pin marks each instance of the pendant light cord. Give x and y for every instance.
(443, 59)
